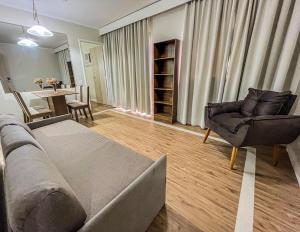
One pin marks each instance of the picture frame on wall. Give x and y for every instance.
(87, 58)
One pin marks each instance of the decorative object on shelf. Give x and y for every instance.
(165, 80)
(53, 82)
(38, 30)
(39, 82)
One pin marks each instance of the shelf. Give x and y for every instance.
(163, 74)
(165, 115)
(164, 58)
(165, 66)
(164, 103)
(164, 89)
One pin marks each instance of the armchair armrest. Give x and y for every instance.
(225, 107)
(277, 119)
(274, 129)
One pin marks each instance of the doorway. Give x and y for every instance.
(92, 58)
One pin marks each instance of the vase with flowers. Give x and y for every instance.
(39, 82)
(53, 82)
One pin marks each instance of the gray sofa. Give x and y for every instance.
(61, 176)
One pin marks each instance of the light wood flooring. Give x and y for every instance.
(98, 107)
(202, 192)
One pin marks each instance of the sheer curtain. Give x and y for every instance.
(230, 46)
(126, 59)
(63, 57)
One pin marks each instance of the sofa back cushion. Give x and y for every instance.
(14, 136)
(9, 119)
(263, 102)
(250, 102)
(37, 196)
(285, 110)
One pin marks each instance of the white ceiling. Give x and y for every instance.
(92, 13)
(10, 33)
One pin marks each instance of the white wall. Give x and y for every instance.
(168, 25)
(146, 12)
(28, 63)
(74, 33)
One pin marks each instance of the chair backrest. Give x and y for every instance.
(65, 86)
(78, 90)
(22, 103)
(85, 94)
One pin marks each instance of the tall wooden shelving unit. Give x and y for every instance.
(165, 80)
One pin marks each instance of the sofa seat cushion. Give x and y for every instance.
(97, 168)
(15, 136)
(37, 196)
(263, 102)
(231, 121)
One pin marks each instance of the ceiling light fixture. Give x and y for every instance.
(38, 30)
(27, 42)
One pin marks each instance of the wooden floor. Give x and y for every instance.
(277, 194)
(202, 192)
(98, 107)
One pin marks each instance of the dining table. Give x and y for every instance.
(56, 99)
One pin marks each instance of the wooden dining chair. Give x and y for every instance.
(82, 104)
(31, 113)
(76, 97)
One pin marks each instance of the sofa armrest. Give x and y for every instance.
(136, 206)
(225, 107)
(48, 121)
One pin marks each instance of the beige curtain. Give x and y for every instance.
(205, 53)
(269, 62)
(126, 59)
(244, 20)
(232, 45)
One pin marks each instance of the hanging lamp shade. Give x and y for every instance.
(27, 42)
(39, 30)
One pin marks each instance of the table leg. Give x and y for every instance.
(58, 105)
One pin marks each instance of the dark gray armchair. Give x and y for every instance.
(261, 119)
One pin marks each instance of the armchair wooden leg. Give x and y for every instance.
(206, 135)
(276, 154)
(233, 157)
